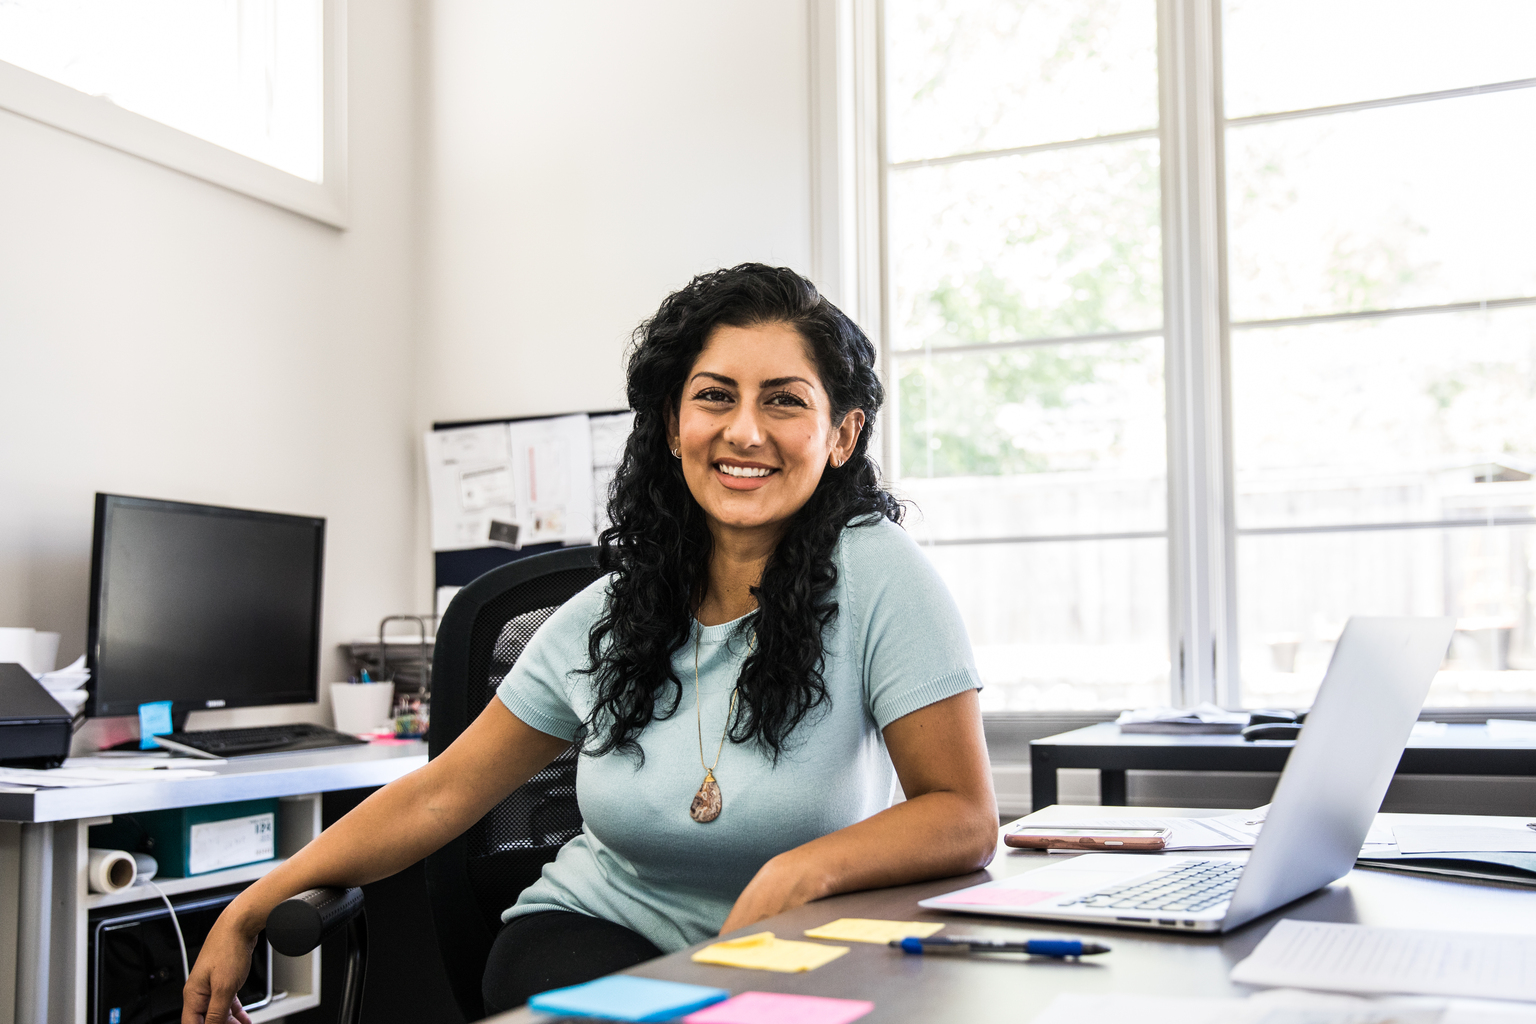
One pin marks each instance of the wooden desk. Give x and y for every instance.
(931, 990)
(1461, 750)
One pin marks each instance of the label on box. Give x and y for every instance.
(215, 845)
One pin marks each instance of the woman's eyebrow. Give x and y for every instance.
(712, 376)
(775, 382)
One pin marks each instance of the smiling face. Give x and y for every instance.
(755, 431)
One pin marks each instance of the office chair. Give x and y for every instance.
(479, 874)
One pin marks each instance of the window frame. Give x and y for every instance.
(850, 262)
(95, 118)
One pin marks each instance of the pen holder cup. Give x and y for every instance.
(361, 707)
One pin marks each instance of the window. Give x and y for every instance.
(1026, 351)
(244, 93)
(1382, 286)
(1208, 325)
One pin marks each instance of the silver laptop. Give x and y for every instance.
(1328, 795)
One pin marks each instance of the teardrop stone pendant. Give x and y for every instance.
(706, 802)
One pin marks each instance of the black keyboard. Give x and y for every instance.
(264, 739)
(1193, 886)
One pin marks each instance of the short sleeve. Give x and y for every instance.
(543, 687)
(907, 628)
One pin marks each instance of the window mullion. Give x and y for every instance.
(1202, 613)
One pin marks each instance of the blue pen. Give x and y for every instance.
(962, 944)
(365, 676)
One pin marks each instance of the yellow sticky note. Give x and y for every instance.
(764, 952)
(866, 929)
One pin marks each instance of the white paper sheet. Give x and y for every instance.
(1279, 1006)
(552, 479)
(1504, 729)
(1356, 958)
(469, 474)
(1226, 832)
(1464, 839)
(60, 778)
(609, 433)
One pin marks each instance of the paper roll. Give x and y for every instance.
(147, 867)
(111, 870)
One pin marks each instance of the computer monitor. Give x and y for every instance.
(203, 606)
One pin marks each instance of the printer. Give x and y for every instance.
(35, 730)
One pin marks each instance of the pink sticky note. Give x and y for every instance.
(1000, 897)
(779, 1008)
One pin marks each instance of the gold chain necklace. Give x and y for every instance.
(706, 802)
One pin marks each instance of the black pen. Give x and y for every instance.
(975, 944)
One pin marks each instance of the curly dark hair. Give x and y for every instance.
(658, 547)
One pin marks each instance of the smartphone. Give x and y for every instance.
(1046, 837)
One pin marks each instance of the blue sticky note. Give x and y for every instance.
(154, 720)
(621, 997)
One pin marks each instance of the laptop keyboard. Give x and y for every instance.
(1190, 887)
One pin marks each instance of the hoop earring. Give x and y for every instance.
(677, 452)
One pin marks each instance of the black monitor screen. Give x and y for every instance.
(204, 606)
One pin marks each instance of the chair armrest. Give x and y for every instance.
(298, 925)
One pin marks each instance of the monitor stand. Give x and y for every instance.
(178, 724)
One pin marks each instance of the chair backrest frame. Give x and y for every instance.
(462, 663)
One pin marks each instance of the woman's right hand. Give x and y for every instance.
(210, 993)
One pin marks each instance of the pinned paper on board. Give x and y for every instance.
(609, 435)
(766, 952)
(469, 474)
(866, 929)
(552, 479)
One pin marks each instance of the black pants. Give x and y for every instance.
(552, 949)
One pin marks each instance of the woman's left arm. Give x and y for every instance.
(946, 826)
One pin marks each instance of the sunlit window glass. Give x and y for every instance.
(1024, 238)
(1383, 347)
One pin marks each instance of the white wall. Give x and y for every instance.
(162, 336)
(585, 159)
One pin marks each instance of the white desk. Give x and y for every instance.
(44, 900)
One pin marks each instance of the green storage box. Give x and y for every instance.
(189, 841)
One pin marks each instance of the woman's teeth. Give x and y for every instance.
(742, 470)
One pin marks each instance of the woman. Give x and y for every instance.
(769, 658)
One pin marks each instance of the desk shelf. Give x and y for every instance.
(175, 886)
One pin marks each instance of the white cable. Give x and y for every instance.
(186, 972)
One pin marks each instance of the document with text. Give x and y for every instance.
(1356, 958)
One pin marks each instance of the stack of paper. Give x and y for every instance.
(1463, 839)
(1225, 832)
(67, 685)
(1206, 718)
(74, 776)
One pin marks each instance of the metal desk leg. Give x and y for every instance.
(1112, 787)
(1042, 778)
(35, 914)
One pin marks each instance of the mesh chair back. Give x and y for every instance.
(477, 876)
